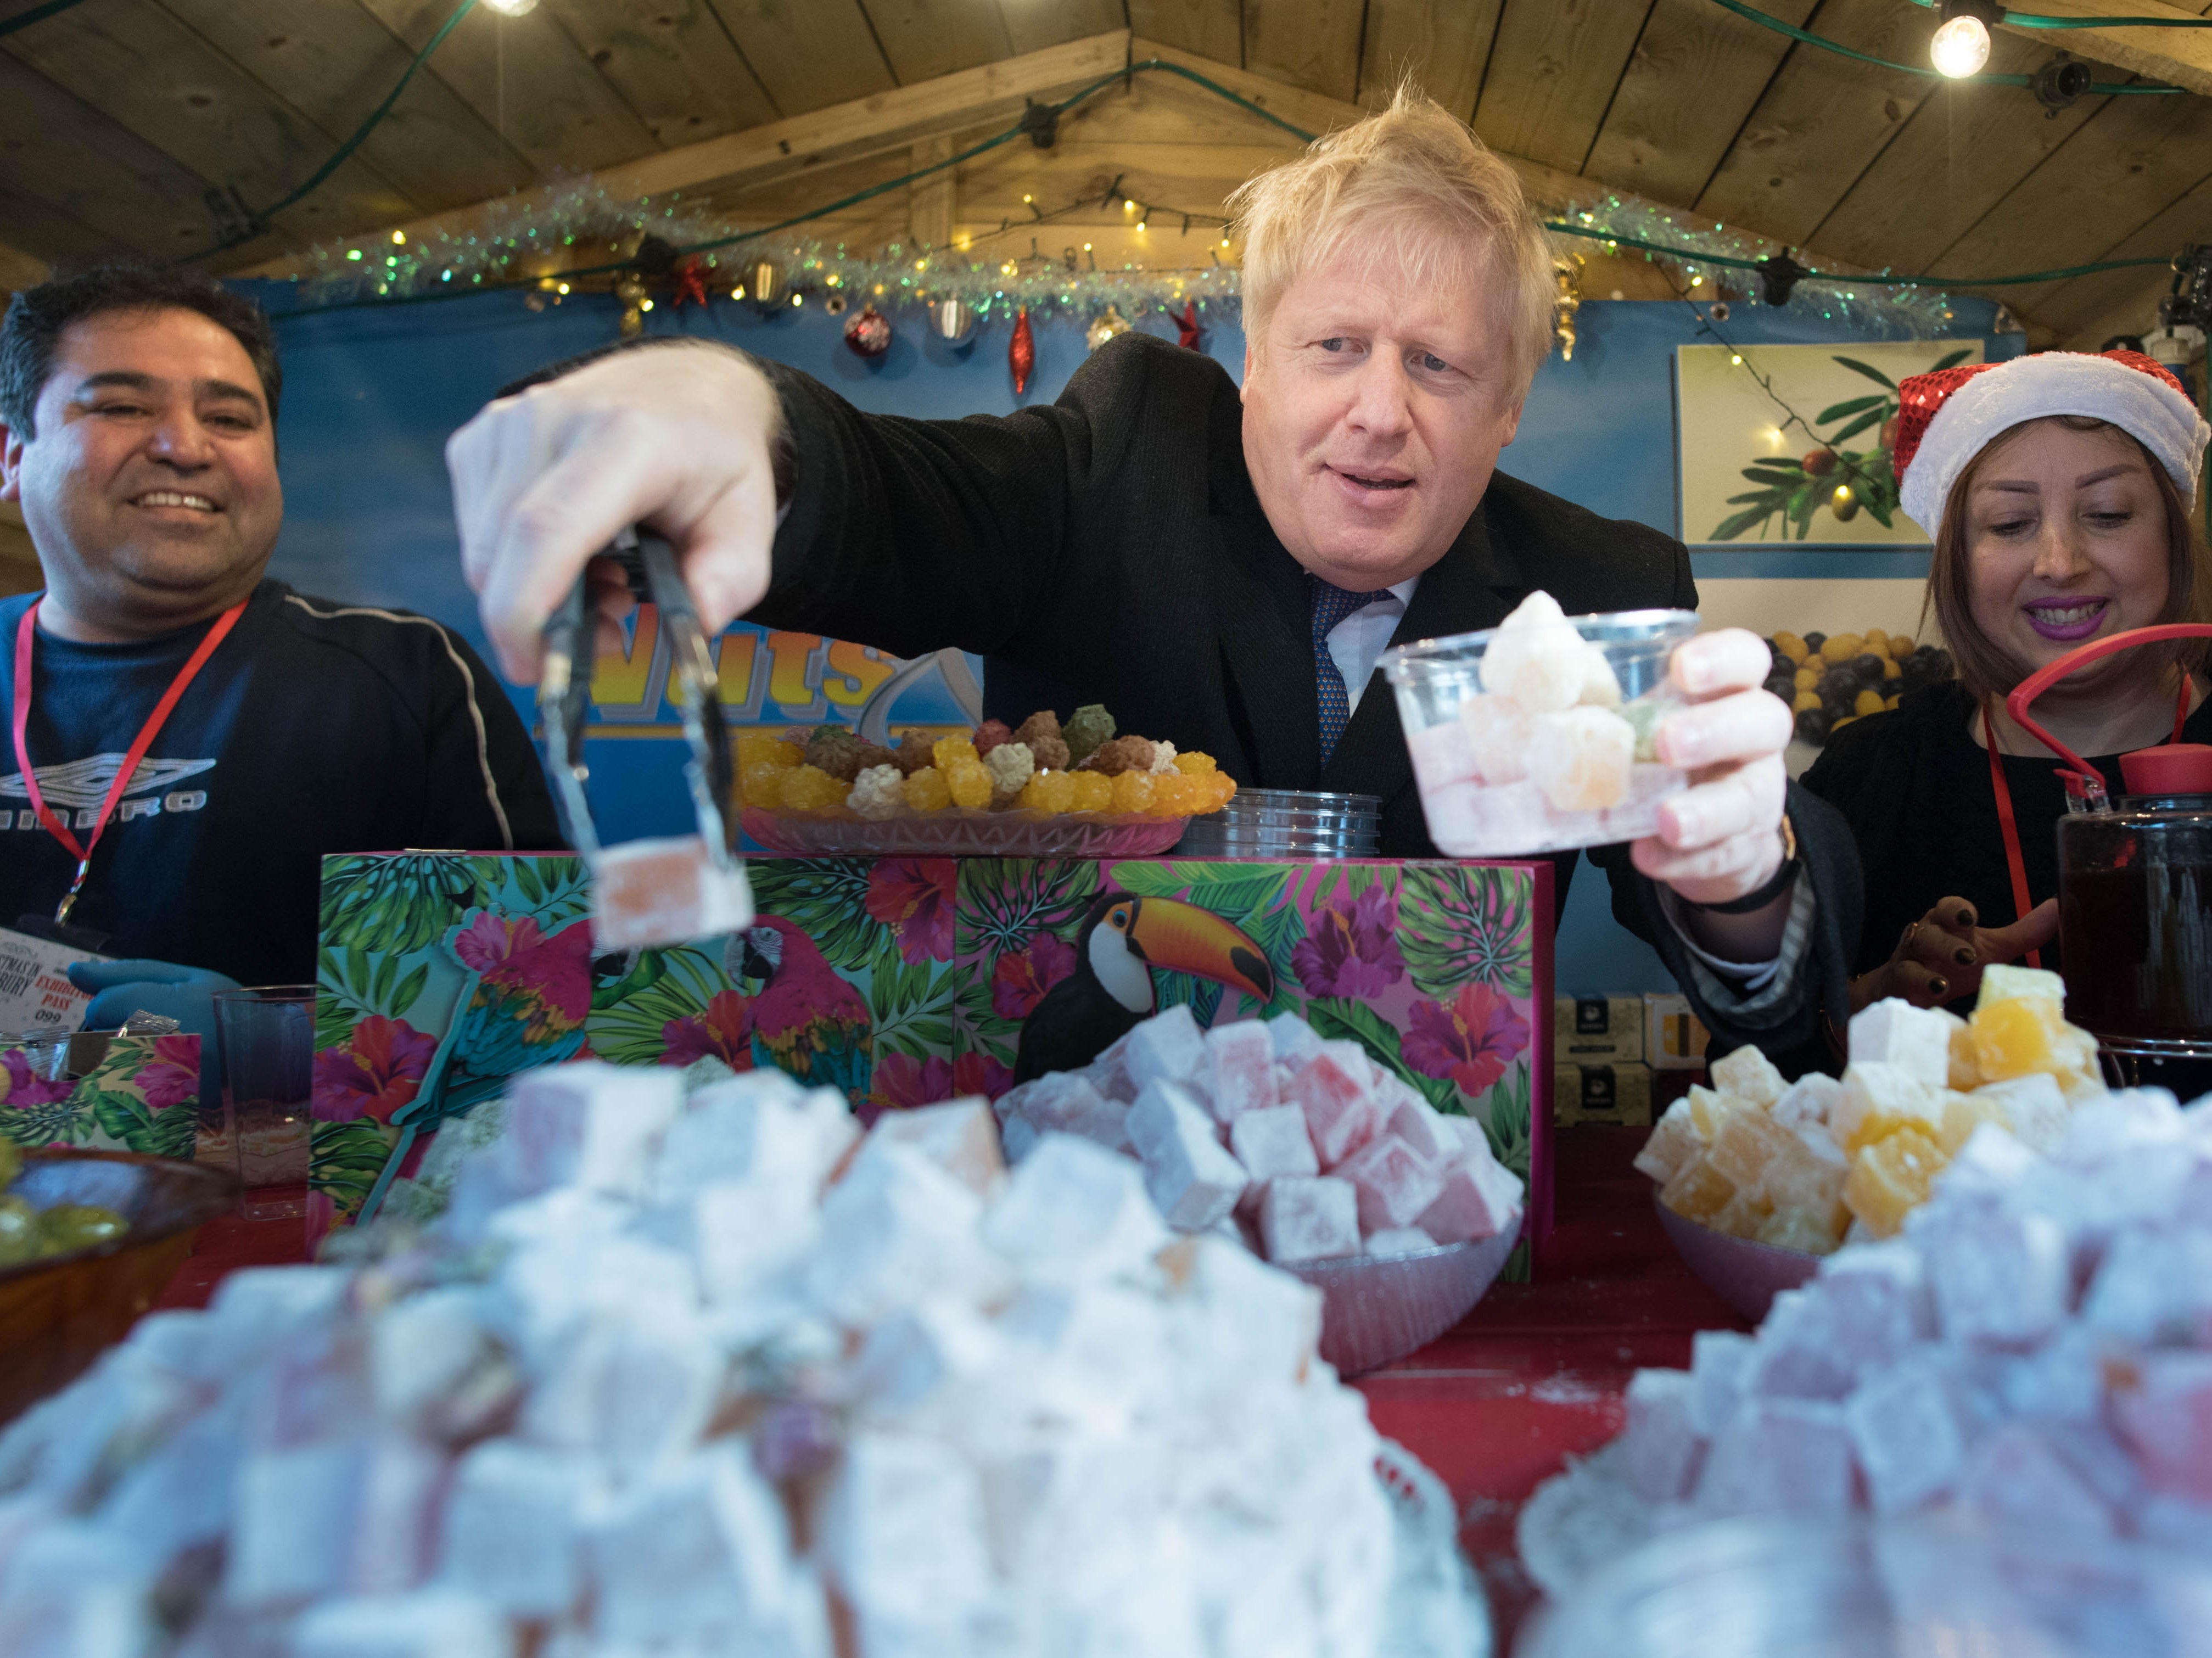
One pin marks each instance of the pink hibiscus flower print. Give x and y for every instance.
(914, 896)
(722, 1030)
(1470, 1039)
(902, 1082)
(979, 1073)
(376, 1073)
(489, 939)
(27, 1090)
(174, 1075)
(1021, 977)
(1351, 948)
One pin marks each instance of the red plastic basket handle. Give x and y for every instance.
(2045, 677)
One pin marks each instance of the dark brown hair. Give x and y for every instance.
(1985, 668)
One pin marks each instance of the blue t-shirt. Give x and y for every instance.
(314, 727)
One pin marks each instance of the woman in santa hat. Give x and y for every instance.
(2056, 488)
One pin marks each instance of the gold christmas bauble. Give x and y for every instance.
(1112, 323)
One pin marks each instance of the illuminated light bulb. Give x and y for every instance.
(355, 252)
(1086, 247)
(1028, 199)
(645, 305)
(1140, 224)
(400, 239)
(1960, 47)
(738, 292)
(795, 300)
(512, 8)
(1128, 207)
(1842, 496)
(1735, 358)
(1225, 241)
(562, 288)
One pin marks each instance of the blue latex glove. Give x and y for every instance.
(186, 994)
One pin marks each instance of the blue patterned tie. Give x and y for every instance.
(1331, 605)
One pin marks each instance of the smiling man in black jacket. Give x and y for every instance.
(137, 428)
(1220, 567)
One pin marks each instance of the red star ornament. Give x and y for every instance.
(1021, 351)
(1186, 325)
(690, 282)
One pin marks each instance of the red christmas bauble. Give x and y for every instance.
(869, 333)
(1021, 351)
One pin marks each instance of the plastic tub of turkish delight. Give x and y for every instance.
(1864, 1588)
(1537, 735)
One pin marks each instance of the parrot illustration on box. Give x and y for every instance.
(807, 1020)
(1122, 940)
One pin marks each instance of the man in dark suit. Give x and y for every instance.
(1220, 567)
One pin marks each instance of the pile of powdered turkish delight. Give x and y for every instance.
(1805, 1165)
(708, 1376)
(1547, 755)
(1305, 1148)
(2035, 1349)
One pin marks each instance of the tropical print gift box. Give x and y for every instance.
(143, 1096)
(901, 981)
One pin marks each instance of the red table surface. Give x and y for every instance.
(1495, 1405)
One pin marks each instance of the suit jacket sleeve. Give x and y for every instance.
(916, 534)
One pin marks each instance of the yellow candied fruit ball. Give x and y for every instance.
(1892, 702)
(1805, 699)
(926, 789)
(809, 788)
(946, 749)
(1805, 678)
(1842, 648)
(1876, 641)
(766, 748)
(763, 783)
(1790, 646)
(968, 784)
(1195, 764)
(1050, 791)
(1132, 791)
(1868, 701)
(1092, 792)
(1175, 795)
(1891, 670)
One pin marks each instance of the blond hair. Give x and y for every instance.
(1984, 667)
(1413, 184)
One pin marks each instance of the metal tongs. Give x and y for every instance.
(564, 693)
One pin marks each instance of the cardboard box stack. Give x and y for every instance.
(1599, 1072)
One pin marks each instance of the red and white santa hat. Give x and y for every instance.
(1947, 418)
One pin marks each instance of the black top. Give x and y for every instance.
(1110, 549)
(1915, 788)
(313, 728)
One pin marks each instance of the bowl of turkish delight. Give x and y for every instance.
(1537, 735)
(2031, 1350)
(1307, 1153)
(1808, 1166)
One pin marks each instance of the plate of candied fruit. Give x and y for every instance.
(1039, 790)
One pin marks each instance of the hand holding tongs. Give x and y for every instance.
(564, 691)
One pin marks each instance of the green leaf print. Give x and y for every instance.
(1462, 922)
(827, 898)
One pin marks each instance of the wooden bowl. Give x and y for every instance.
(60, 1313)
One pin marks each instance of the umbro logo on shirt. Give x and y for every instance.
(77, 786)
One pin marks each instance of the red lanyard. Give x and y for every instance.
(2006, 822)
(25, 635)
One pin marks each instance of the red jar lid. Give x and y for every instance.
(2169, 768)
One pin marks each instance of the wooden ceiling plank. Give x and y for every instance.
(1314, 43)
(672, 63)
(1692, 80)
(1956, 158)
(1032, 27)
(808, 56)
(2069, 306)
(2133, 311)
(39, 231)
(1312, 112)
(1553, 72)
(1212, 28)
(56, 149)
(1444, 45)
(1822, 119)
(2182, 56)
(337, 68)
(2124, 168)
(924, 38)
(143, 69)
(802, 145)
(527, 78)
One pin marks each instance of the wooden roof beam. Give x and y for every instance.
(843, 132)
(2180, 56)
(19, 269)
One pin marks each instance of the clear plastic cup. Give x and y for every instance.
(1512, 814)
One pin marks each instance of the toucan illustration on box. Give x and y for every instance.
(1123, 939)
